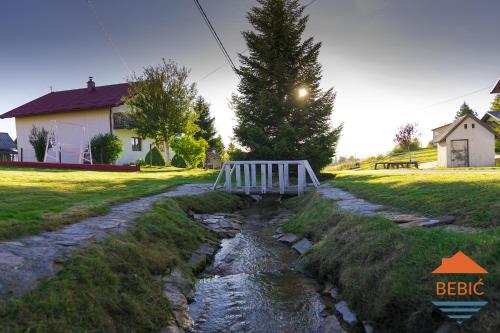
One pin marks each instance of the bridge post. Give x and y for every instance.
(281, 178)
(270, 175)
(246, 171)
(254, 174)
(263, 178)
(228, 177)
(301, 170)
(238, 175)
(285, 174)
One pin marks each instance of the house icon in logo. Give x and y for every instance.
(459, 264)
(459, 310)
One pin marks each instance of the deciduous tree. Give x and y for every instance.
(161, 100)
(405, 135)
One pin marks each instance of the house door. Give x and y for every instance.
(459, 153)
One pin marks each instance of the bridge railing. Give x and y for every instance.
(251, 183)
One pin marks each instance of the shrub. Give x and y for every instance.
(178, 162)
(191, 150)
(140, 162)
(38, 139)
(158, 158)
(106, 148)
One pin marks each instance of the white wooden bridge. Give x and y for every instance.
(255, 182)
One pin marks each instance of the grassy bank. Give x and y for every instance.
(421, 155)
(471, 196)
(35, 200)
(112, 286)
(384, 272)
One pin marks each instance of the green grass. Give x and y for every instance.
(384, 271)
(35, 200)
(471, 196)
(422, 155)
(113, 286)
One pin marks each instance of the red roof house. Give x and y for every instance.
(75, 116)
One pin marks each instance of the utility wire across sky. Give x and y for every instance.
(225, 52)
(214, 33)
(107, 36)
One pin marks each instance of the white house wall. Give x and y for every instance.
(481, 144)
(441, 154)
(96, 121)
(128, 155)
(125, 135)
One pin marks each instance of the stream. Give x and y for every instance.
(251, 285)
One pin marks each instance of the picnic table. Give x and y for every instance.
(396, 165)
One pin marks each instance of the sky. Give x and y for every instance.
(390, 62)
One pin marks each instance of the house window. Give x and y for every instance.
(473, 125)
(465, 126)
(136, 144)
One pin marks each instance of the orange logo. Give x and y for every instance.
(464, 298)
(459, 264)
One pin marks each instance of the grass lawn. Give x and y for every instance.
(115, 285)
(421, 155)
(34, 200)
(474, 197)
(384, 271)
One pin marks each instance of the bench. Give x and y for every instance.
(396, 165)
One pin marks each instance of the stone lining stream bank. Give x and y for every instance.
(24, 261)
(348, 202)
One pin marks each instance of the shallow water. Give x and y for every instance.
(251, 285)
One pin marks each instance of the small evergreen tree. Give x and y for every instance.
(495, 105)
(206, 128)
(154, 157)
(465, 110)
(281, 111)
(38, 139)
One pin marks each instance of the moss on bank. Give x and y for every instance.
(384, 271)
(112, 286)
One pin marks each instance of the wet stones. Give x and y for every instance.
(439, 221)
(225, 225)
(331, 325)
(288, 238)
(201, 256)
(178, 288)
(302, 246)
(345, 312)
(179, 305)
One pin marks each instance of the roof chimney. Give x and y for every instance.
(90, 85)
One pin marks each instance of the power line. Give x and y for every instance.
(309, 3)
(107, 36)
(452, 99)
(224, 65)
(214, 33)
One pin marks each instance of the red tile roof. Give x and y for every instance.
(72, 100)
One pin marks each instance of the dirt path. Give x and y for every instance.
(26, 260)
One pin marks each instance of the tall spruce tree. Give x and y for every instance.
(465, 110)
(207, 130)
(281, 111)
